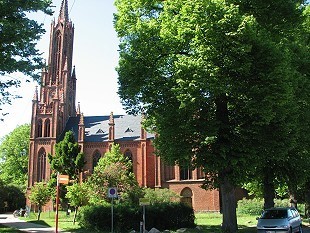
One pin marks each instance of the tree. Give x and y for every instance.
(212, 77)
(114, 170)
(14, 157)
(18, 40)
(68, 160)
(40, 194)
(77, 195)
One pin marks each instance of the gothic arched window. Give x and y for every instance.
(47, 128)
(41, 165)
(39, 128)
(96, 158)
(128, 155)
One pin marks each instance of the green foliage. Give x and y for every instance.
(114, 170)
(170, 216)
(255, 206)
(127, 217)
(157, 196)
(68, 160)
(39, 195)
(14, 157)
(11, 197)
(77, 194)
(18, 40)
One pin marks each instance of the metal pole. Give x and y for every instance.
(57, 203)
(143, 218)
(112, 216)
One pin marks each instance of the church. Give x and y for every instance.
(54, 112)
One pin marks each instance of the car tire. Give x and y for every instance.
(300, 229)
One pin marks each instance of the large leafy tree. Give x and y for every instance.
(215, 81)
(14, 157)
(114, 170)
(18, 39)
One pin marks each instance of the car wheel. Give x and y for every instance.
(299, 229)
(291, 230)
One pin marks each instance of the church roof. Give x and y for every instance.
(127, 128)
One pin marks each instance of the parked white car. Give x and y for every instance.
(279, 220)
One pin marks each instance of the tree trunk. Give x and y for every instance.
(269, 190)
(75, 214)
(292, 189)
(307, 199)
(39, 213)
(228, 207)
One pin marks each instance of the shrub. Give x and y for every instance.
(250, 206)
(169, 216)
(127, 217)
(255, 206)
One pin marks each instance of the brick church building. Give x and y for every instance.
(54, 112)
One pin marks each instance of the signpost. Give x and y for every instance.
(143, 202)
(61, 179)
(112, 193)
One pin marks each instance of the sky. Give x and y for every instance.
(95, 57)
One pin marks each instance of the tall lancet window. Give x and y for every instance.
(96, 158)
(41, 165)
(57, 49)
(47, 128)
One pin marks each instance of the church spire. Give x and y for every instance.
(64, 15)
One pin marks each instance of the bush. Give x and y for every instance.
(169, 216)
(255, 206)
(250, 206)
(161, 216)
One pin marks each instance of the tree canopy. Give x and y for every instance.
(14, 157)
(216, 80)
(114, 170)
(19, 35)
(68, 160)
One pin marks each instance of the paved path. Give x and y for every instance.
(10, 221)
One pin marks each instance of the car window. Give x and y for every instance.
(274, 214)
(290, 213)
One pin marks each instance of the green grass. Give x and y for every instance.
(207, 223)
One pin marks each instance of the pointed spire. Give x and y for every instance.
(64, 15)
(81, 119)
(111, 120)
(36, 95)
(78, 110)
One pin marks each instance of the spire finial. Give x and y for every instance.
(63, 14)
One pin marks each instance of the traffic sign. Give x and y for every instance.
(63, 179)
(112, 192)
(144, 201)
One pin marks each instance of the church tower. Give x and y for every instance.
(54, 102)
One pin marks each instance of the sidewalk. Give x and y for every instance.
(10, 221)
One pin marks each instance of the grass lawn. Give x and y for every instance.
(207, 223)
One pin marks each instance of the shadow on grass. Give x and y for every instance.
(40, 222)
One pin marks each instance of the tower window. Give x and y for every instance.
(39, 128)
(47, 128)
(41, 165)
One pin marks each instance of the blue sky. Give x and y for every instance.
(95, 56)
